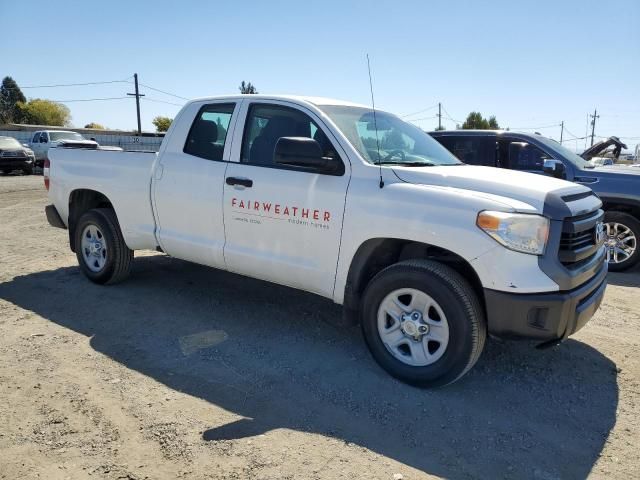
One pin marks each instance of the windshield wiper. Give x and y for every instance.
(407, 164)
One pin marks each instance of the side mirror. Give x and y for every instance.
(25, 145)
(302, 152)
(554, 168)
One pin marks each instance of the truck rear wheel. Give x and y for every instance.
(623, 235)
(100, 248)
(423, 323)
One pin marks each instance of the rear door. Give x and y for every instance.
(283, 224)
(188, 180)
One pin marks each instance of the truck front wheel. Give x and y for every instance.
(623, 235)
(100, 248)
(423, 323)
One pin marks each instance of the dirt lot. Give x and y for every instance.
(188, 372)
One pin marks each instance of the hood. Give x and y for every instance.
(612, 170)
(63, 142)
(528, 188)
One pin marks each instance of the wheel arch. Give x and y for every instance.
(80, 201)
(375, 254)
(625, 205)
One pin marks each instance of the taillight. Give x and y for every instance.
(45, 172)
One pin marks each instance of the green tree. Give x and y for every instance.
(44, 112)
(10, 96)
(247, 88)
(162, 123)
(95, 126)
(476, 121)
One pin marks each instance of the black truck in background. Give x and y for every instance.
(617, 187)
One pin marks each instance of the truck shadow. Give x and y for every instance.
(279, 359)
(630, 278)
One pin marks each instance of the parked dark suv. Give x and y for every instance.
(15, 156)
(617, 187)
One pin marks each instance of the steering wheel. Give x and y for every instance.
(394, 153)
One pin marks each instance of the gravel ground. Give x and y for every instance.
(188, 372)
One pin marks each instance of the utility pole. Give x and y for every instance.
(439, 116)
(593, 124)
(561, 130)
(137, 95)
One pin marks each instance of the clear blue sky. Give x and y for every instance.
(532, 64)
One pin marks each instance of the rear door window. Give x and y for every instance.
(208, 133)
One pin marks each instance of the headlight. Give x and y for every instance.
(517, 231)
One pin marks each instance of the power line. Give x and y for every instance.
(419, 111)
(450, 117)
(535, 128)
(423, 118)
(162, 91)
(87, 99)
(157, 100)
(74, 84)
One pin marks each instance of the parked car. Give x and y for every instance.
(427, 253)
(15, 156)
(617, 186)
(43, 140)
(601, 161)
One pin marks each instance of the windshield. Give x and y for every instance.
(563, 152)
(8, 142)
(400, 143)
(55, 136)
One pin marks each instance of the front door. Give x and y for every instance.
(187, 186)
(283, 224)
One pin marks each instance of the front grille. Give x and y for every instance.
(13, 154)
(579, 240)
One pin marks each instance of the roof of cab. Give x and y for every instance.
(297, 98)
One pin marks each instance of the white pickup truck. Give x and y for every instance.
(428, 254)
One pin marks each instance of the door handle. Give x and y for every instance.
(245, 182)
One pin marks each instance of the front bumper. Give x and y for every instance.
(546, 317)
(15, 163)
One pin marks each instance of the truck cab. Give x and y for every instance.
(618, 187)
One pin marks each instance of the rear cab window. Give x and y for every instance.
(208, 134)
(471, 149)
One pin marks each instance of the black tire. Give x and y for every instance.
(460, 304)
(119, 256)
(633, 224)
(6, 172)
(28, 170)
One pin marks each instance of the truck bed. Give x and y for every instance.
(123, 177)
